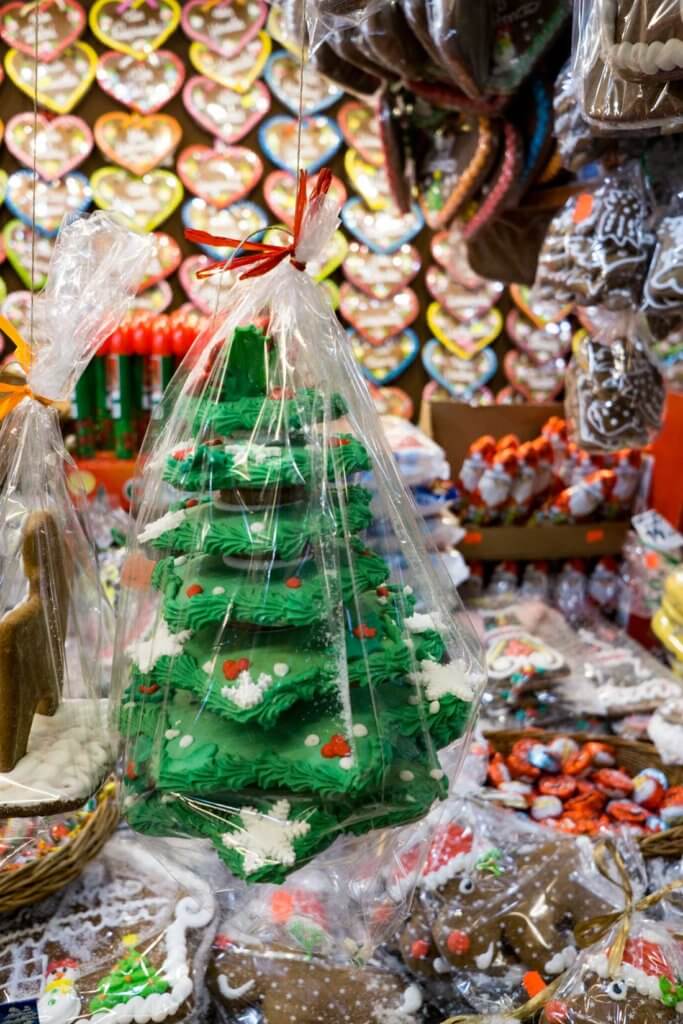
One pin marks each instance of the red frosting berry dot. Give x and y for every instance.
(180, 454)
(364, 632)
(152, 688)
(243, 664)
(382, 591)
(231, 669)
(191, 502)
(193, 590)
(458, 943)
(293, 583)
(336, 746)
(131, 772)
(339, 442)
(419, 949)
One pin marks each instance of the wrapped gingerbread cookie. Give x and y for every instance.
(614, 392)
(55, 623)
(663, 290)
(279, 686)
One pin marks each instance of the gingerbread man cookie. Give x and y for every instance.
(32, 638)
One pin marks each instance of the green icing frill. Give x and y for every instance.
(251, 465)
(202, 590)
(280, 532)
(267, 415)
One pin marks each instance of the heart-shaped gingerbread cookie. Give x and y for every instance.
(226, 26)
(380, 275)
(134, 29)
(17, 308)
(383, 231)
(450, 251)
(237, 73)
(53, 199)
(241, 220)
(462, 303)
(28, 255)
(383, 363)
(143, 202)
(464, 339)
(164, 260)
(225, 113)
(460, 377)
(279, 192)
(454, 166)
(135, 141)
(143, 85)
(220, 177)
(59, 25)
(377, 319)
(283, 75)
(539, 311)
(320, 140)
(391, 402)
(58, 144)
(359, 126)
(540, 343)
(369, 181)
(206, 293)
(62, 83)
(538, 382)
(155, 299)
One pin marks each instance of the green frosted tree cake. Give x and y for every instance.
(287, 691)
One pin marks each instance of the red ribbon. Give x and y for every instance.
(263, 257)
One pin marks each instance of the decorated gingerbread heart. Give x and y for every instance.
(135, 141)
(58, 25)
(226, 25)
(225, 113)
(369, 181)
(358, 124)
(538, 382)
(238, 72)
(320, 140)
(539, 311)
(28, 254)
(143, 85)
(206, 293)
(384, 363)
(220, 177)
(241, 220)
(450, 251)
(57, 145)
(164, 260)
(383, 231)
(62, 83)
(540, 343)
(17, 308)
(501, 185)
(381, 275)
(155, 299)
(283, 74)
(144, 202)
(392, 402)
(460, 377)
(464, 339)
(454, 166)
(377, 319)
(279, 192)
(462, 303)
(136, 29)
(52, 202)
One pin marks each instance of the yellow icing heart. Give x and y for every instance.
(445, 328)
(276, 29)
(237, 73)
(53, 92)
(369, 181)
(144, 203)
(99, 15)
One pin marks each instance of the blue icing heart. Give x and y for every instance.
(380, 375)
(24, 177)
(486, 356)
(292, 103)
(376, 222)
(243, 205)
(291, 123)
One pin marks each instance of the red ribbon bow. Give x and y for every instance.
(263, 257)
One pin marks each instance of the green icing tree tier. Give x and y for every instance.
(271, 607)
(133, 976)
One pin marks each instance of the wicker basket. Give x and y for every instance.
(633, 756)
(40, 878)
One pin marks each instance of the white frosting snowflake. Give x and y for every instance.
(266, 837)
(169, 521)
(145, 653)
(249, 691)
(444, 680)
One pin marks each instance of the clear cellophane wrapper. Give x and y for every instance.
(278, 686)
(643, 986)
(614, 392)
(496, 901)
(56, 623)
(628, 64)
(128, 941)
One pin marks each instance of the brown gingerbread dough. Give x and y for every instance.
(32, 638)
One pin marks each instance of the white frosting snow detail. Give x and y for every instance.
(443, 680)
(169, 521)
(171, 734)
(406, 775)
(646, 984)
(640, 58)
(561, 961)
(436, 773)
(280, 669)
(249, 691)
(145, 653)
(419, 623)
(405, 1013)
(485, 959)
(228, 992)
(186, 741)
(266, 838)
(218, 591)
(68, 756)
(667, 737)
(312, 740)
(345, 763)
(360, 730)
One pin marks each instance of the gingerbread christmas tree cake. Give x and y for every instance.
(286, 690)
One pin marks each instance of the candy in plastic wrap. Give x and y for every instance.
(279, 686)
(582, 500)
(479, 455)
(525, 483)
(488, 502)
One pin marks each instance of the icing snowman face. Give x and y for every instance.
(60, 1002)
